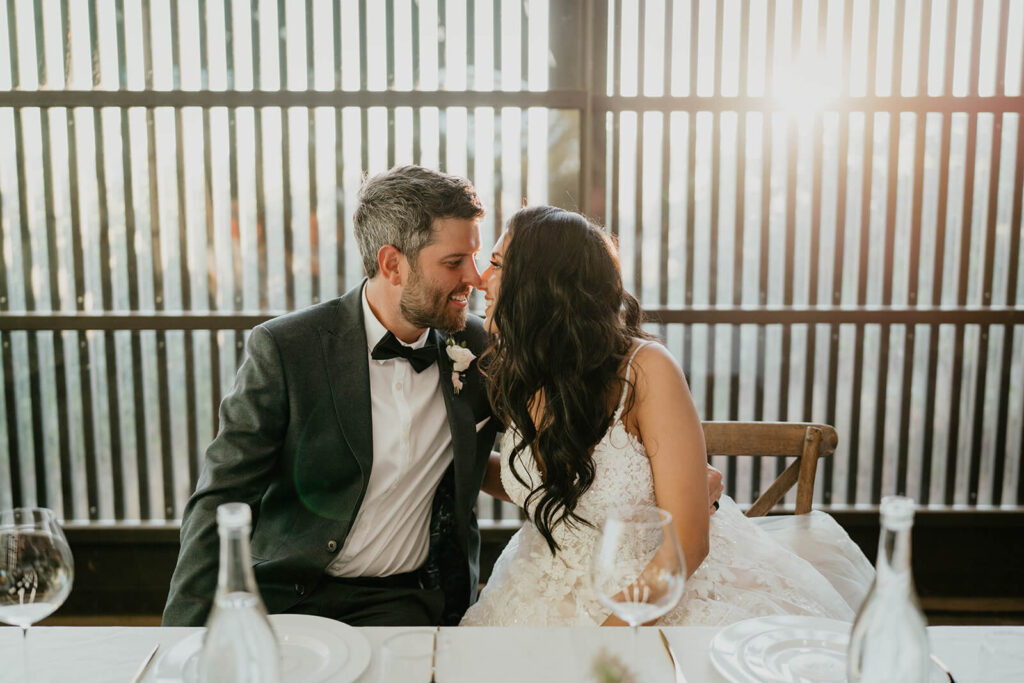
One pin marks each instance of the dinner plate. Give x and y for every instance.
(786, 649)
(782, 649)
(311, 649)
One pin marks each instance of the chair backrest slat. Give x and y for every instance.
(804, 440)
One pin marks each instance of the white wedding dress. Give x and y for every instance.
(803, 564)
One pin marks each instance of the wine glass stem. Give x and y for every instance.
(24, 653)
(634, 654)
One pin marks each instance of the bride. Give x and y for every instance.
(600, 415)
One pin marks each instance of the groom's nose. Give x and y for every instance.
(471, 275)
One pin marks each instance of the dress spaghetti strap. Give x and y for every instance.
(625, 387)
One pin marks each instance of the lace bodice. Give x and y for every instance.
(622, 476)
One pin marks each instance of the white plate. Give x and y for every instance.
(311, 648)
(783, 649)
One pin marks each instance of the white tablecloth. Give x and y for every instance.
(492, 655)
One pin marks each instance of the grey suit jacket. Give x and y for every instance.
(295, 444)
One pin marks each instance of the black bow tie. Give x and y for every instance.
(389, 347)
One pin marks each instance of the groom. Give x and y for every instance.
(357, 433)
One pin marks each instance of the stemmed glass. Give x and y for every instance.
(36, 569)
(637, 570)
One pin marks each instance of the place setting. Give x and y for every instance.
(311, 649)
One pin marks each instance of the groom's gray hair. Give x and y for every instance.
(398, 207)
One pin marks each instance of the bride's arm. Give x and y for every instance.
(666, 419)
(492, 478)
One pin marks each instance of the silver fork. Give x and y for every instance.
(433, 656)
(680, 677)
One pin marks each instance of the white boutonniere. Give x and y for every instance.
(461, 358)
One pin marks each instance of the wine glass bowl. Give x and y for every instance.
(36, 568)
(638, 571)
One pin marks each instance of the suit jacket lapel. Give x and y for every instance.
(348, 373)
(460, 421)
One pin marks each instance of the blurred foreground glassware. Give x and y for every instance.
(888, 641)
(409, 657)
(36, 569)
(239, 646)
(637, 570)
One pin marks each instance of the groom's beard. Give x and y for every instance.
(426, 306)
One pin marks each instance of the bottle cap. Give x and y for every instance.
(234, 515)
(898, 512)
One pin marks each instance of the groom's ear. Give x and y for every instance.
(388, 261)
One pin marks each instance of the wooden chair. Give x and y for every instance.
(805, 441)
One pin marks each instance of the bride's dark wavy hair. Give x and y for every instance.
(566, 325)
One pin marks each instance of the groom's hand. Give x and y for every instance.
(715, 488)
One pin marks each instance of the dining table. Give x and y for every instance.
(94, 654)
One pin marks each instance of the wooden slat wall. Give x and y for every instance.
(905, 192)
(778, 205)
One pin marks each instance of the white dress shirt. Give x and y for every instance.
(412, 447)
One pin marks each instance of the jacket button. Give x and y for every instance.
(332, 546)
(300, 590)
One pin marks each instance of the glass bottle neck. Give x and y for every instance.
(893, 564)
(235, 574)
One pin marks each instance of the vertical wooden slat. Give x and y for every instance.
(966, 229)
(613, 219)
(666, 170)
(211, 249)
(839, 249)
(316, 277)
(14, 451)
(496, 36)
(262, 271)
(862, 269)
(736, 332)
(524, 119)
(442, 113)
(106, 299)
(909, 356)
(51, 267)
(691, 166)
(229, 338)
(287, 190)
(762, 285)
(363, 79)
(231, 67)
(592, 126)
(389, 68)
(188, 336)
(470, 28)
(715, 218)
(110, 358)
(415, 50)
(638, 199)
(892, 179)
(939, 265)
(156, 251)
(789, 257)
(339, 144)
(141, 442)
(814, 246)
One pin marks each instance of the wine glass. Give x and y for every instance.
(637, 570)
(36, 569)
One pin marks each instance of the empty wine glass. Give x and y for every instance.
(36, 569)
(637, 570)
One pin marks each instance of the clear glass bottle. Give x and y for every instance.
(888, 641)
(240, 645)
